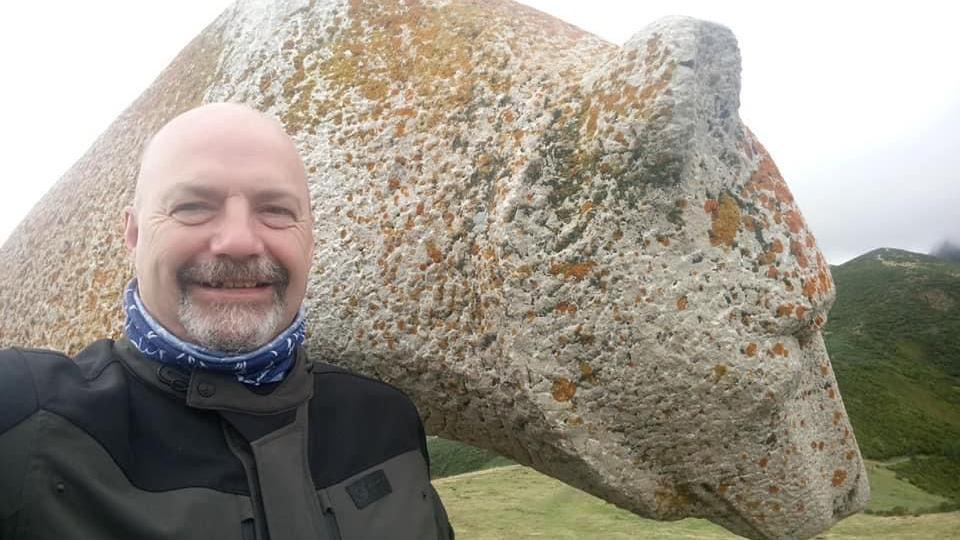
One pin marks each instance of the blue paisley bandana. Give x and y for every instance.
(267, 364)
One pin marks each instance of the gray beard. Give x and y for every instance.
(233, 328)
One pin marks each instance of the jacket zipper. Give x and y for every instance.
(240, 448)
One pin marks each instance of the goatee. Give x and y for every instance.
(232, 327)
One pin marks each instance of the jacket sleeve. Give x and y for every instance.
(444, 528)
(18, 402)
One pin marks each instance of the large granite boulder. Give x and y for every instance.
(571, 253)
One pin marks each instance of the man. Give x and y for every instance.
(206, 420)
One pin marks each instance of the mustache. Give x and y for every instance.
(260, 269)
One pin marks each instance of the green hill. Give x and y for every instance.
(894, 339)
(450, 458)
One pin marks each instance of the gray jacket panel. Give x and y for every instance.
(76, 490)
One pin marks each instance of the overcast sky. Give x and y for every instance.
(858, 102)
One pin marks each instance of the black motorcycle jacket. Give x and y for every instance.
(111, 445)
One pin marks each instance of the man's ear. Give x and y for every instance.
(131, 231)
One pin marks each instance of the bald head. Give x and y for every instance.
(213, 124)
(221, 230)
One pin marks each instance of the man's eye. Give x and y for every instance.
(278, 216)
(278, 210)
(192, 213)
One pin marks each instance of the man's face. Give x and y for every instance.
(221, 233)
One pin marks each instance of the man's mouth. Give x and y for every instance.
(235, 284)
(224, 280)
(234, 291)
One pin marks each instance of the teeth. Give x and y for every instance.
(233, 284)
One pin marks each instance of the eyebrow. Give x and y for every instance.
(267, 195)
(270, 195)
(188, 189)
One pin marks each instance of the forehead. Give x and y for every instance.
(210, 156)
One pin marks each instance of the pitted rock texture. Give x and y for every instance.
(568, 252)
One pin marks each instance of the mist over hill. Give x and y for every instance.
(948, 251)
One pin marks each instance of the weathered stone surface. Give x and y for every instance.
(568, 252)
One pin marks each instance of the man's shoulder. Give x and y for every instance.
(363, 400)
(344, 383)
(43, 364)
(30, 378)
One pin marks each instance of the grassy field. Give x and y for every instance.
(515, 502)
(888, 493)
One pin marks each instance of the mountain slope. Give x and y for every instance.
(894, 339)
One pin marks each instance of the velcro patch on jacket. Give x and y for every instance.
(369, 489)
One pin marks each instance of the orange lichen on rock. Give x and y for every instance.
(780, 350)
(767, 178)
(839, 477)
(824, 283)
(751, 349)
(785, 310)
(592, 114)
(577, 271)
(810, 287)
(669, 501)
(563, 389)
(434, 252)
(719, 371)
(795, 221)
(682, 303)
(796, 249)
(726, 221)
(565, 308)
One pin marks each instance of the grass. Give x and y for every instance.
(448, 458)
(516, 502)
(936, 474)
(889, 493)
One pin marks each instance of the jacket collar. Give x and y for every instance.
(220, 391)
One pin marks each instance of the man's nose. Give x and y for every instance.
(237, 235)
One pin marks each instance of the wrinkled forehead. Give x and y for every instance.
(221, 148)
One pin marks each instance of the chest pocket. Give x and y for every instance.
(392, 500)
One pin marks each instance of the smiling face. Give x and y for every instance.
(221, 231)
